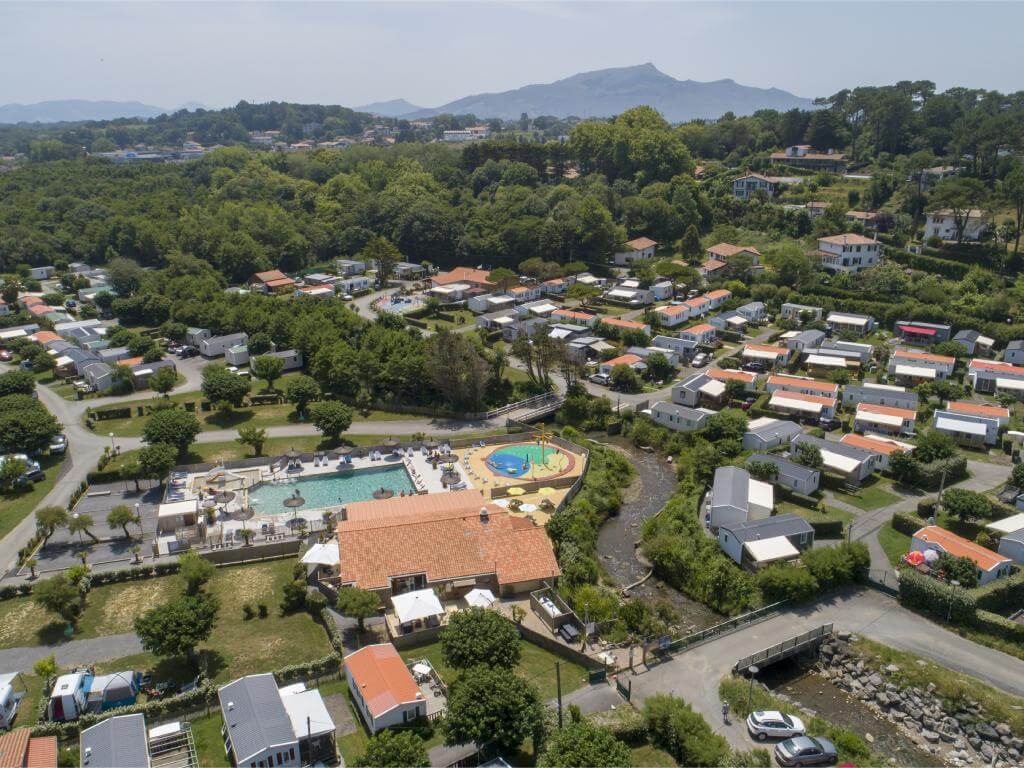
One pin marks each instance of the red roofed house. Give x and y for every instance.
(911, 365)
(441, 541)
(638, 249)
(766, 353)
(882, 447)
(625, 325)
(800, 404)
(848, 253)
(705, 335)
(991, 565)
(574, 316)
(726, 251)
(19, 749)
(272, 281)
(713, 269)
(633, 361)
(1002, 415)
(884, 418)
(672, 315)
(991, 376)
(699, 305)
(382, 687)
(803, 384)
(718, 297)
(475, 278)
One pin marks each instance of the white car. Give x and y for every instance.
(772, 724)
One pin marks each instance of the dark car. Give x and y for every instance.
(806, 750)
(187, 352)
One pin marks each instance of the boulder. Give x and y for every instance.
(930, 736)
(975, 742)
(891, 669)
(882, 698)
(987, 751)
(876, 680)
(1003, 729)
(986, 731)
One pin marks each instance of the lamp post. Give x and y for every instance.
(112, 446)
(752, 670)
(138, 516)
(949, 611)
(75, 517)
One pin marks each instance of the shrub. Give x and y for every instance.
(836, 566)
(247, 611)
(931, 596)
(262, 611)
(787, 582)
(683, 733)
(904, 523)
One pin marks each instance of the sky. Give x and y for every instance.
(215, 54)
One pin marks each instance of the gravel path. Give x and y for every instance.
(72, 652)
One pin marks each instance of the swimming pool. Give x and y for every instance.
(330, 490)
(399, 305)
(528, 460)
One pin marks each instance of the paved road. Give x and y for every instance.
(72, 652)
(695, 675)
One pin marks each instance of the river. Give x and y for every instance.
(616, 541)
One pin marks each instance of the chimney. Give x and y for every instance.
(485, 516)
(342, 514)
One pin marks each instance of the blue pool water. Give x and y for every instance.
(330, 490)
(516, 460)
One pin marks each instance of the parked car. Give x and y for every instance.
(700, 359)
(347, 297)
(806, 750)
(774, 724)
(59, 445)
(26, 365)
(188, 352)
(6, 355)
(601, 378)
(754, 366)
(70, 304)
(829, 423)
(745, 405)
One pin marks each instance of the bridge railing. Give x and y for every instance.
(725, 627)
(786, 647)
(535, 400)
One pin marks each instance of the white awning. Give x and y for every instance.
(420, 604)
(175, 508)
(886, 419)
(779, 400)
(325, 553)
(479, 598)
(915, 371)
(622, 293)
(737, 321)
(985, 341)
(1017, 385)
(712, 388)
(1008, 524)
(307, 712)
(837, 317)
(503, 320)
(838, 462)
(956, 425)
(761, 494)
(543, 309)
(760, 354)
(826, 361)
(770, 550)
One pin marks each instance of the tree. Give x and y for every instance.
(195, 570)
(163, 380)
(17, 383)
(503, 278)
(331, 418)
(58, 595)
(458, 370)
(683, 733)
(786, 582)
(905, 467)
(625, 379)
(393, 749)
(25, 424)
(178, 627)
(49, 519)
(808, 455)
(80, 523)
(222, 386)
(480, 636)
(582, 744)
(267, 368)
(763, 470)
(156, 461)
(382, 255)
(360, 604)
(582, 293)
(300, 391)
(690, 246)
(253, 436)
(962, 570)
(493, 706)
(121, 517)
(728, 424)
(171, 426)
(967, 505)
(42, 362)
(933, 445)
(658, 367)
(1013, 193)
(1017, 476)
(46, 668)
(959, 195)
(12, 472)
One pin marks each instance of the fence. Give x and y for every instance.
(530, 401)
(702, 636)
(786, 648)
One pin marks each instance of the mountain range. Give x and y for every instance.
(74, 110)
(607, 92)
(393, 108)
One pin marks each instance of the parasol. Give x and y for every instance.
(516, 490)
(547, 490)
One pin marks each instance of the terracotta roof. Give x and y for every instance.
(519, 289)
(443, 546)
(723, 250)
(271, 274)
(809, 156)
(639, 243)
(623, 360)
(887, 410)
(42, 752)
(573, 314)
(383, 680)
(730, 374)
(554, 281)
(456, 503)
(850, 238)
(41, 337)
(993, 365)
(780, 351)
(713, 264)
(13, 747)
(974, 213)
(874, 444)
(795, 381)
(696, 302)
(40, 309)
(718, 293)
(785, 395)
(278, 282)
(957, 546)
(28, 301)
(463, 275)
(817, 204)
(130, 361)
(618, 322)
(699, 329)
(909, 354)
(673, 309)
(979, 409)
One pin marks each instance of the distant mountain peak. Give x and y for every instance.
(391, 108)
(608, 92)
(74, 110)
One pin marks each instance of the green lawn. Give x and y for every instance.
(209, 745)
(236, 647)
(826, 515)
(649, 756)
(15, 505)
(463, 318)
(895, 544)
(873, 495)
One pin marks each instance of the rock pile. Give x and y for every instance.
(963, 736)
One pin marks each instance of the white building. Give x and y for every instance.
(736, 497)
(638, 249)
(911, 365)
(745, 187)
(790, 311)
(216, 346)
(382, 688)
(846, 322)
(967, 428)
(765, 433)
(880, 394)
(848, 253)
(679, 418)
(884, 418)
(942, 224)
(991, 377)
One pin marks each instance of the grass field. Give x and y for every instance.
(649, 756)
(895, 544)
(826, 515)
(15, 505)
(873, 495)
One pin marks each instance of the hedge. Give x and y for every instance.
(930, 475)
(905, 523)
(100, 578)
(951, 269)
(1002, 594)
(934, 597)
(827, 529)
(999, 626)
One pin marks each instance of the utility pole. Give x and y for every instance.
(558, 684)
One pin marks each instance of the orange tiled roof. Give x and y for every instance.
(42, 752)
(639, 243)
(979, 409)
(699, 328)
(993, 365)
(784, 395)
(957, 546)
(730, 374)
(850, 238)
(713, 264)
(696, 302)
(795, 381)
(618, 322)
(886, 410)
(909, 354)
(40, 309)
(443, 545)
(13, 747)
(28, 301)
(875, 444)
(383, 680)
(424, 505)
(673, 309)
(270, 274)
(623, 360)
(718, 293)
(41, 337)
(463, 275)
(723, 250)
(278, 282)
(780, 351)
(573, 314)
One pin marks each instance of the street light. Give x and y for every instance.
(752, 670)
(112, 446)
(949, 611)
(138, 516)
(75, 517)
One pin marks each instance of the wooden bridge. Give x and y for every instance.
(810, 640)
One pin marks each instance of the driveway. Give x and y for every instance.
(72, 652)
(694, 675)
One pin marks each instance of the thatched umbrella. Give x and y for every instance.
(431, 444)
(448, 458)
(390, 442)
(450, 477)
(292, 454)
(293, 503)
(383, 493)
